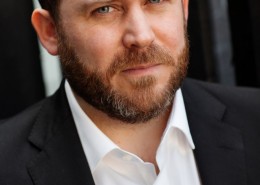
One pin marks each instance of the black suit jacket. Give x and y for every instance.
(41, 146)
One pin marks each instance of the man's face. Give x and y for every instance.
(124, 57)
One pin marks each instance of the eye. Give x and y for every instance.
(155, 1)
(104, 9)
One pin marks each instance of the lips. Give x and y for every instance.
(140, 67)
(141, 70)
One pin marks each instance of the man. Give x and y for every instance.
(120, 116)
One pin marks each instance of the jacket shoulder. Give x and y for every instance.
(237, 110)
(229, 95)
(15, 150)
(17, 125)
(239, 105)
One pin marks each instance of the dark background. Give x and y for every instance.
(224, 38)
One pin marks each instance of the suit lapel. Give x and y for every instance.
(219, 149)
(61, 159)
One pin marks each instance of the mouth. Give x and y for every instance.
(141, 69)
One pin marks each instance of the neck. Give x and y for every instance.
(141, 139)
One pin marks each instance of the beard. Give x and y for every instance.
(140, 105)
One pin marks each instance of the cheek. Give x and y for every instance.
(96, 47)
(172, 36)
(170, 32)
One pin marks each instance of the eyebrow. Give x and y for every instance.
(87, 3)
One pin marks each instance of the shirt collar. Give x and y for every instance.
(178, 118)
(91, 136)
(95, 144)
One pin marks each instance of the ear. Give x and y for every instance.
(186, 9)
(44, 25)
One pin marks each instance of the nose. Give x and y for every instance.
(138, 32)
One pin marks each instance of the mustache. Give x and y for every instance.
(152, 55)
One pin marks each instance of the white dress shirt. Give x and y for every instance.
(110, 165)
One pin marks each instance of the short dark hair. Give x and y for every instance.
(52, 6)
